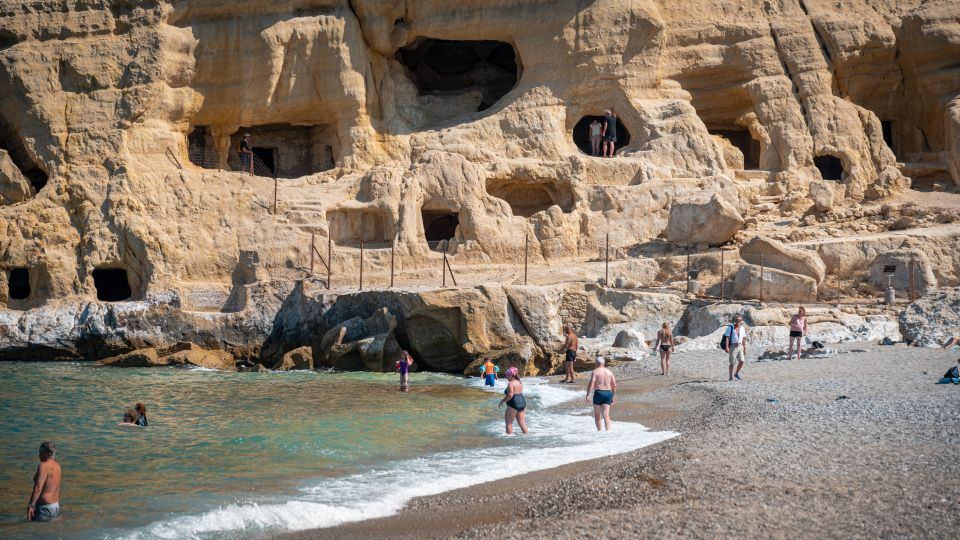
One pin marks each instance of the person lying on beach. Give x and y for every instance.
(403, 366)
(954, 340)
(44, 502)
(516, 403)
(141, 411)
(604, 386)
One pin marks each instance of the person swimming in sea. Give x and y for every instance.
(604, 387)
(130, 417)
(489, 372)
(516, 403)
(403, 366)
(141, 415)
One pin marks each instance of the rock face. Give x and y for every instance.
(775, 254)
(703, 219)
(932, 319)
(425, 121)
(774, 285)
(14, 187)
(299, 358)
(181, 354)
(893, 268)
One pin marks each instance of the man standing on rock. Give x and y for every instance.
(45, 499)
(736, 335)
(570, 353)
(246, 154)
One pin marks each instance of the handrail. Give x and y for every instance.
(173, 156)
(209, 159)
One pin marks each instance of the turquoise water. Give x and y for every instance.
(239, 455)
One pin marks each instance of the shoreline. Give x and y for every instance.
(781, 454)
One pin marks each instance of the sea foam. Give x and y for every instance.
(555, 439)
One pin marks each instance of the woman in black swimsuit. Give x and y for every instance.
(516, 403)
(665, 341)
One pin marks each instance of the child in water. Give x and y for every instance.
(403, 366)
(489, 373)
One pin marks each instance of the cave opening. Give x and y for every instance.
(11, 141)
(439, 227)
(18, 284)
(581, 134)
(527, 198)
(200, 149)
(743, 141)
(112, 284)
(886, 127)
(267, 157)
(485, 69)
(830, 167)
(281, 150)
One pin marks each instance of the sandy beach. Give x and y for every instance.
(860, 444)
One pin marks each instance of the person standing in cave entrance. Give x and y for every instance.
(609, 133)
(596, 136)
(246, 154)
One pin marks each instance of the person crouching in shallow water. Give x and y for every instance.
(516, 403)
(665, 343)
(570, 353)
(130, 417)
(604, 387)
(45, 500)
(141, 416)
(798, 328)
(403, 366)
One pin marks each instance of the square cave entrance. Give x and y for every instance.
(461, 75)
(18, 284)
(439, 227)
(281, 150)
(528, 197)
(112, 284)
(743, 141)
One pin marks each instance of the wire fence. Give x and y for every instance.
(722, 274)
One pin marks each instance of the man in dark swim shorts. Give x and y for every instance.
(570, 353)
(604, 387)
(609, 133)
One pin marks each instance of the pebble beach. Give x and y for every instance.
(863, 443)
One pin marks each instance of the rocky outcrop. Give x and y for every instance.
(894, 268)
(752, 282)
(299, 358)
(629, 339)
(772, 254)
(14, 187)
(931, 320)
(180, 354)
(703, 219)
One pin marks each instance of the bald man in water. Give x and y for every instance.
(45, 499)
(604, 386)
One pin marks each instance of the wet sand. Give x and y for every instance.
(779, 454)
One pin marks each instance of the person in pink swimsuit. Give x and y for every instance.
(798, 329)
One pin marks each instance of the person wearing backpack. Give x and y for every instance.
(735, 344)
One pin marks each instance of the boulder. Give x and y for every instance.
(774, 254)
(361, 344)
(775, 285)
(195, 356)
(823, 194)
(932, 319)
(629, 339)
(139, 358)
(299, 358)
(702, 218)
(895, 267)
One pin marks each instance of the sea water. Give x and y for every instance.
(244, 455)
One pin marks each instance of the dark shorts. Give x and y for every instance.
(571, 355)
(245, 162)
(602, 397)
(610, 138)
(490, 379)
(796, 333)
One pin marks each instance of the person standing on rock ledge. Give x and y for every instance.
(736, 347)
(246, 154)
(609, 133)
(570, 353)
(604, 386)
(596, 136)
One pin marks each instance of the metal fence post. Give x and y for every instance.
(606, 277)
(393, 244)
(274, 196)
(526, 251)
(910, 266)
(761, 277)
(443, 269)
(329, 258)
(361, 265)
(721, 274)
(312, 248)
